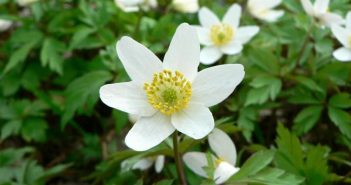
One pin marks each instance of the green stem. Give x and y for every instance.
(177, 159)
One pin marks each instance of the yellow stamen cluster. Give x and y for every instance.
(218, 161)
(349, 41)
(168, 92)
(221, 34)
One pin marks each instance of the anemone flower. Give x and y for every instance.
(172, 95)
(5, 24)
(224, 159)
(186, 6)
(135, 5)
(320, 12)
(263, 9)
(146, 163)
(222, 37)
(343, 34)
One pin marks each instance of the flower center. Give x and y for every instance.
(168, 92)
(349, 42)
(221, 34)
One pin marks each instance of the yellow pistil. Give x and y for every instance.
(221, 34)
(349, 41)
(218, 161)
(168, 92)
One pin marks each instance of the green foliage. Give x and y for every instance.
(57, 55)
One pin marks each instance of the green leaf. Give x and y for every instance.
(342, 100)
(265, 87)
(265, 60)
(289, 156)
(10, 128)
(275, 176)
(165, 182)
(51, 54)
(306, 119)
(254, 164)
(309, 83)
(316, 169)
(246, 121)
(18, 56)
(341, 119)
(34, 129)
(81, 90)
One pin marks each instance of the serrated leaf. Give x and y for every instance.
(78, 92)
(309, 83)
(341, 119)
(34, 129)
(265, 60)
(342, 100)
(316, 169)
(307, 118)
(51, 54)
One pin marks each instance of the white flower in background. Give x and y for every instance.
(224, 37)
(224, 161)
(135, 5)
(343, 34)
(5, 24)
(25, 2)
(146, 163)
(171, 95)
(320, 12)
(186, 6)
(262, 9)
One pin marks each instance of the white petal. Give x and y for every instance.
(329, 19)
(143, 164)
(263, 4)
(159, 163)
(343, 54)
(196, 161)
(232, 48)
(210, 55)
(343, 35)
(348, 21)
(233, 15)
(186, 6)
(207, 18)
(215, 84)
(195, 121)
(139, 62)
(223, 172)
(184, 52)
(127, 97)
(222, 145)
(272, 15)
(5, 24)
(148, 132)
(245, 33)
(321, 6)
(308, 7)
(204, 35)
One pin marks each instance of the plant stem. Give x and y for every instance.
(177, 159)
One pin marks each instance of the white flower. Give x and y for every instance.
(133, 118)
(171, 95)
(146, 163)
(5, 24)
(224, 37)
(186, 6)
(319, 11)
(262, 9)
(343, 34)
(224, 161)
(135, 5)
(25, 2)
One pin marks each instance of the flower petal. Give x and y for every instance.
(343, 54)
(127, 97)
(196, 121)
(184, 51)
(139, 62)
(210, 55)
(245, 33)
(204, 35)
(233, 15)
(207, 18)
(342, 35)
(224, 171)
(272, 15)
(148, 132)
(232, 48)
(348, 21)
(196, 161)
(321, 6)
(308, 7)
(215, 84)
(222, 145)
(329, 19)
(159, 163)
(143, 164)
